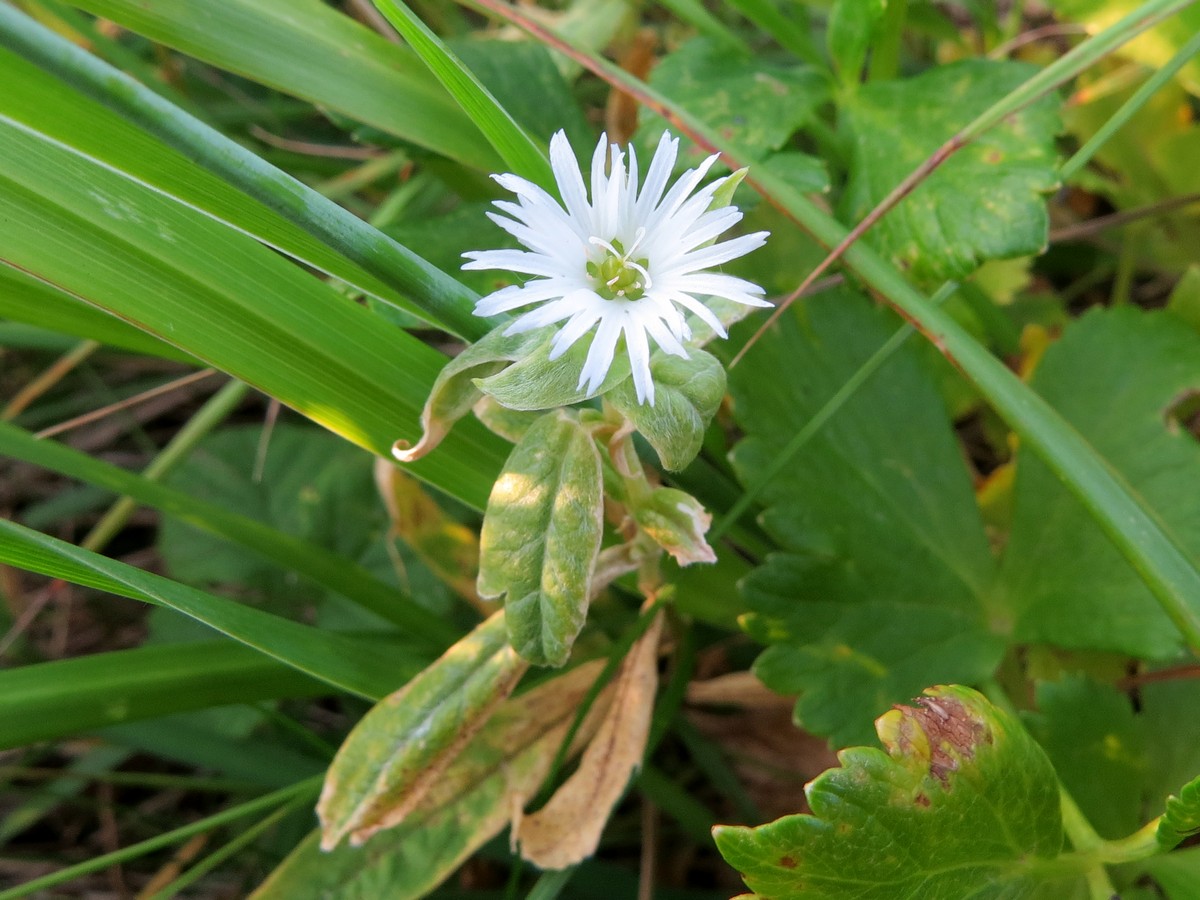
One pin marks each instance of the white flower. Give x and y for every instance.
(628, 260)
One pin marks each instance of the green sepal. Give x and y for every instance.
(961, 802)
(454, 392)
(677, 522)
(541, 536)
(687, 394)
(399, 750)
(538, 382)
(1182, 818)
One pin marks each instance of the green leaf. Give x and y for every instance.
(227, 300)
(1182, 818)
(949, 224)
(885, 580)
(1097, 748)
(399, 750)
(687, 394)
(1178, 873)
(763, 103)
(537, 382)
(52, 700)
(469, 804)
(1115, 376)
(851, 26)
(957, 805)
(309, 50)
(541, 536)
(314, 562)
(455, 391)
(367, 667)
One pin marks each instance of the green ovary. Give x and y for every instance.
(617, 278)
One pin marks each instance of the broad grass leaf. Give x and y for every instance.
(469, 804)
(883, 583)
(400, 749)
(956, 805)
(985, 202)
(541, 535)
(567, 829)
(1096, 744)
(687, 394)
(310, 50)
(1116, 376)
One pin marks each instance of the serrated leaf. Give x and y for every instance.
(957, 804)
(688, 393)
(848, 34)
(948, 225)
(455, 392)
(763, 103)
(567, 829)
(677, 522)
(1115, 375)
(1182, 818)
(881, 589)
(1090, 733)
(469, 804)
(541, 535)
(536, 382)
(400, 749)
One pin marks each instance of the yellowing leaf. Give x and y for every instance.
(567, 829)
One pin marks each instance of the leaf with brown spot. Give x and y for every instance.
(567, 829)
(958, 804)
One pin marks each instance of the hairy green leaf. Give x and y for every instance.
(676, 522)
(541, 535)
(687, 394)
(501, 768)
(956, 805)
(399, 750)
(951, 222)
(884, 583)
(537, 382)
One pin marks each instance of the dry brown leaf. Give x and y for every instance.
(567, 829)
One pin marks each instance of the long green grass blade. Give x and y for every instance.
(230, 302)
(55, 699)
(519, 153)
(305, 222)
(310, 50)
(316, 563)
(366, 667)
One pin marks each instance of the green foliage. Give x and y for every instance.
(958, 804)
(1064, 580)
(541, 535)
(688, 392)
(761, 103)
(1182, 818)
(851, 26)
(947, 226)
(862, 609)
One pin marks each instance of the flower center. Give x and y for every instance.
(616, 275)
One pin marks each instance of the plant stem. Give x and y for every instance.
(885, 55)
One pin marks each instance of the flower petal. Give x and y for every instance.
(639, 359)
(601, 353)
(656, 178)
